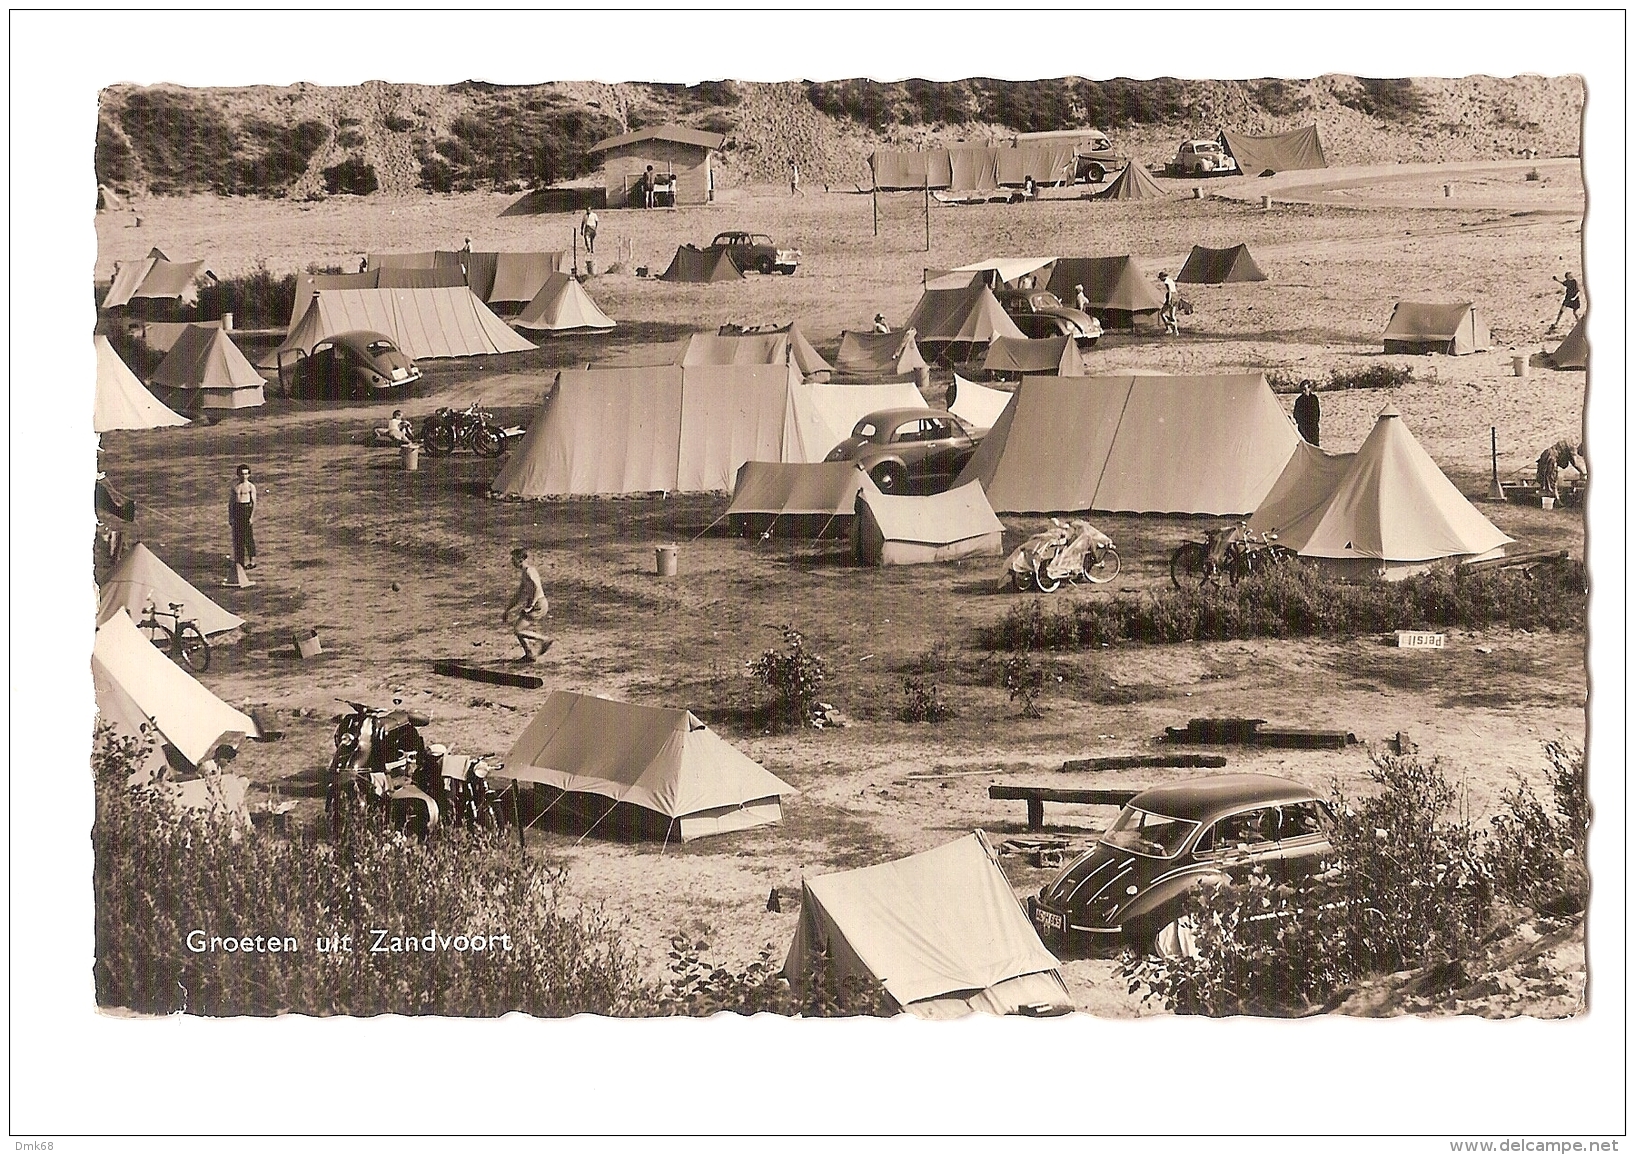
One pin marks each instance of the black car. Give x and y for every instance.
(359, 365)
(900, 449)
(757, 253)
(1040, 313)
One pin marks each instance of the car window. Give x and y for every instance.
(1149, 835)
(908, 431)
(1302, 820)
(376, 348)
(865, 429)
(936, 429)
(1252, 828)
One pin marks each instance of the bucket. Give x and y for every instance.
(1265, 202)
(590, 266)
(227, 321)
(1518, 365)
(664, 559)
(1547, 502)
(306, 643)
(411, 458)
(1197, 192)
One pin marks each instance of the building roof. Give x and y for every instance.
(670, 132)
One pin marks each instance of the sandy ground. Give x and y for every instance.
(341, 524)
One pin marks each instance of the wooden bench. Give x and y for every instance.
(1037, 796)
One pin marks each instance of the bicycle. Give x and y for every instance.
(1233, 553)
(182, 639)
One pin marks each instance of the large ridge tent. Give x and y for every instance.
(1385, 511)
(1117, 290)
(123, 402)
(1004, 270)
(1279, 152)
(205, 370)
(681, 429)
(562, 304)
(974, 168)
(873, 354)
(701, 266)
(794, 499)
(960, 317)
(140, 578)
(137, 687)
(438, 278)
(1135, 444)
(519, 277)
(155, 277)
(1219, 266)
(807, 359)
(900, 529)
(976, 405)
(1055, 355)
(1574, 352)
(309, 283)
(941, 931)
(1433, 327)
(661, 762)
(1133, 184)
(425, 323)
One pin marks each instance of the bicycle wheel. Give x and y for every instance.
(195, 651)
(1189, 564)
(1042, 578)
(159, 635)
(1105, 568)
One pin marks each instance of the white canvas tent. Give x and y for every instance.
(155, 277)
(977, 405)
(794, 499)
(140, 578)
(560, 305)
(205, 370)
(902, 529)
(941, 931)
(1003, 269)
(123, 402)
(664, 761)
(425, 323)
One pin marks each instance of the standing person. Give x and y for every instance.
(1080, 301)
(794, 179)
(1308, 412)
(880, 325)
(587, 229)
(1167, 313)
(1569, 298)
(531, 605)
(649, 184)
(241, 502)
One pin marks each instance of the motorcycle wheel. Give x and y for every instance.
(1042, 578)
(438, 439)
(1189, 565)
(1023, 582)
(486, 441)
(1106, 568)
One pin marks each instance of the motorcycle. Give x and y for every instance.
(473, 427)
(379, 771)
(469, 800)
(1071, 551)
(1233, 553)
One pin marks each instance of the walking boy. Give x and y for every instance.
(587, 229)
(531, 606)
(1569, 298)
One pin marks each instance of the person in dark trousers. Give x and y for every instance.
(587, 229)
(241, 502)
(794, 180)
(1308, 412)
(1569, 298)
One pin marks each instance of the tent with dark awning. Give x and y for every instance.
(1279, 152)
(1117, 290)
(1219, 266)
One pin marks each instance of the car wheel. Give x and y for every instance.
(890, 477)
(765, 266)
(1097, 174)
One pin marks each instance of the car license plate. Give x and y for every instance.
(1049, 919)
(399, 373)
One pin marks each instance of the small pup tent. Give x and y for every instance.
(1431, 327)
(123, 402)
(1219, 266)
(1574, 352)
(1135, 444)
(425, 323)
(561, 305)
(1115, 287)
(961, 317)
(205, 370)
(701, 266)
(976, 405)
(1279, 152)
(667, 770)
(1133, 184)
(873, 354)
(138, 689)
(1057, 356)
(155, 277)
(940, 930)
(912, 530)
(794, 499)
(140, 578)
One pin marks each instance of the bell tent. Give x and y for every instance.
(941, 931)
(1133, 184)
(1429, 327)
(1057, 356)
(1279, 152)
(562, 305)
(425, 323)
(876, 354)
(141, 578)
(1388, 513)
(123, 402)
(976, 405)
(1135, 444)
(661, 771)
(794, 499)
(205, 370)
(1219, 266)
(701, 266)
(1574, 352)
(912, 530)
(1115, 287)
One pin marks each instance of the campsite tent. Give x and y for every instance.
(1116, 288)
(794, 499)
(1574, 352)
(446, 322)
(205, 370)
(1280, 152)
(960, 318)
(681, 429)
(783, 346)
(140, 578)
(1053, 355)
(992, 272)
(940, 930)
(977, 405)
(309, 283)
(161, 336)
(138, 687)
(1219, 266)
(1428, 327)
(1135, 444)
(659, 761)
(701, 266)
(562, 304)
(1133, 184)
(155, 277)
(109, 201)
(519, 277)
(807, 359)
(912, 530)
(123, 402)
(873, 354)
(1387, 511)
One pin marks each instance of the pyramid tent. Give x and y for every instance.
(701, 266)
(914, 530)
(562, 304)
(1115, 287)
(108, 200)
(1574, 352)
(123, 402)
(794, 499)
(1302, 493)
(807, 359)
(940, 930)
(161, 336)
(519, 277)
(205, 370)
(425, 323)
(872, 354)
(1388, 513)
(137, 686)
(140, 578)
(663, 761)
(1434, 327)
(1279, 152)
(1133, 184)
(1219, 266)
(968, 316)
(1052, 355)
(1135, 444)
(977, 405)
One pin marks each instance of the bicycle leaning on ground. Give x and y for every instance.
(182, 639)
(1233, 553)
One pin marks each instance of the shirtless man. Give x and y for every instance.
(531, 606)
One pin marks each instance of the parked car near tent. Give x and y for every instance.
(901, 448)
(1202, 158)
(353, 365)
(756, 252)
(1040, 313)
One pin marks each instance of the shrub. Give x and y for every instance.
(718, 122)
(349, 138)
(257, 300)
(1379, 375)
(354, 176)
(923, 702)
(1026, 682)
(395, 122)
(115, 163)
(1280, 98)
(794, 676)
(184, 142)
(1537, 855)
(700, 988)
(1392, 100)
(285, 150)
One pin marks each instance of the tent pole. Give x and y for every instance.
(575, 251)
(516, 813)
(874, 195)
(928, 216)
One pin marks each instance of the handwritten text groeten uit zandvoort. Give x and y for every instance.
(379, 942)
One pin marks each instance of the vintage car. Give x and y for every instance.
(756, 253)
(356, 365)
(903, 449)
(1040, 313)
(1135, 881)
(1202, 158)
(1094, 157)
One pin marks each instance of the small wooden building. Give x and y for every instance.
(680, 157)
